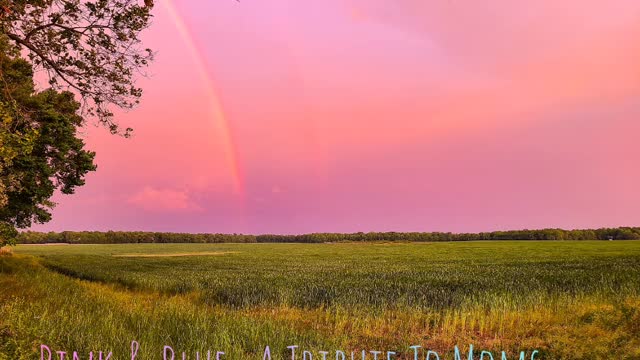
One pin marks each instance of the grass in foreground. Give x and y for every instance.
(571, 300)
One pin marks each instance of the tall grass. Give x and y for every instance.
(6, 250)
(568, 300)
(374, 277)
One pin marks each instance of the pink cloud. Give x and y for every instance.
(152, 199)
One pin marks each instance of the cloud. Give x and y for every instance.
(164, 200)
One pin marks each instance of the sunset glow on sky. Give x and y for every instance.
(286, 116)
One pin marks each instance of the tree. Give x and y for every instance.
(40, 151)
(89, 47)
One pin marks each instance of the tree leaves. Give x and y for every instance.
(92, 48)
(40, 151)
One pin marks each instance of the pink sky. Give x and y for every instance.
(287, 116)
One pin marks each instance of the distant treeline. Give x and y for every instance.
(122, 237)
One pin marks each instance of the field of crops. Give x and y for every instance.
(569, 300)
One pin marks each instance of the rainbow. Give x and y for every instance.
(220, 120)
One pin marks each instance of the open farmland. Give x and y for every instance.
(569, 300)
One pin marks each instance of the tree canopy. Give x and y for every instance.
(124, 237)
(88, 48)
(40, 150)
(92, 48)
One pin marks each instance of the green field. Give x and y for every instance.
(569, 300)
